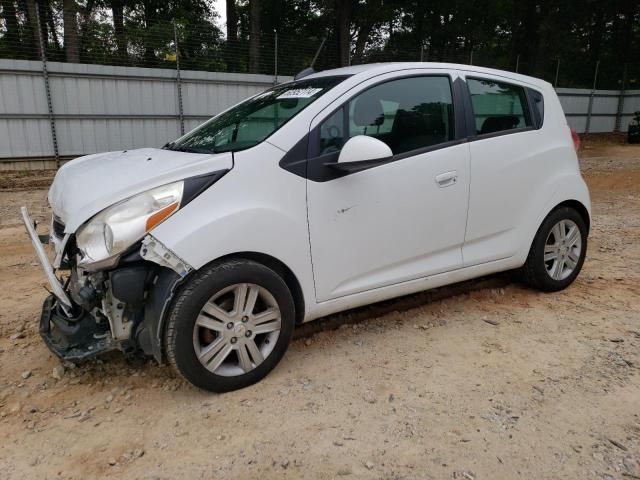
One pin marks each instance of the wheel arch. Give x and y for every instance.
(281, 269)
(577, 206)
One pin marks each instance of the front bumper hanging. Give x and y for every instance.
(69, 335)
(56, 287)
(72, 339)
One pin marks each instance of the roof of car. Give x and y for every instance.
(379, 68)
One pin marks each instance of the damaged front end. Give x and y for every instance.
(93, 311)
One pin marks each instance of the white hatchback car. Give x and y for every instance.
(340, 189)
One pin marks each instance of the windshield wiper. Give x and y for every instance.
(172, 146)
(236, 146)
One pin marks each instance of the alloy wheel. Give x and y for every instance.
(237, 329)
(562, 249)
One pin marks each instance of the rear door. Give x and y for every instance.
(403, 219)
(508, 154)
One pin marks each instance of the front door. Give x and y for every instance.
(403, 219)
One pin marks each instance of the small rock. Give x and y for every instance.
(343, 471)
(21, 328)
(369, 464)
(118, 410)
(112, 461)
(308, 342)
(26, 374)
(369, 397)
(58, 372)
(137, 453)
(17, 336)
(490, 321)
(338, 444)
(285, 464)
(109, 398)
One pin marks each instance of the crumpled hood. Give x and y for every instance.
(87, 185)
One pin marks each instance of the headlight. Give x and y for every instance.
(118, 227)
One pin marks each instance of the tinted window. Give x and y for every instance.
(250, 122)
(538, 107)
(497, 106)
(406, 114)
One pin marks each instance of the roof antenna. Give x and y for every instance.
(309, 70)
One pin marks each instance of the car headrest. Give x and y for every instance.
(368, 111)
(499, 123)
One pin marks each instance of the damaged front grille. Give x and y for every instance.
(58, 227)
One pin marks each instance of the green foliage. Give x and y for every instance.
(544, 38)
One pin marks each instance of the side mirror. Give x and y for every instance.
(361, 152)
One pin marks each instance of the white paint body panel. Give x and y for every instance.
(388, 224)
(87, 185)
(373, 235)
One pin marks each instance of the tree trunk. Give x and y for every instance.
(363, 36)
(149, 15)
(232, 36)
(254, 39)
(118, 26)
(343, 19)
(70, 18)
(32, 21)
(232, 21)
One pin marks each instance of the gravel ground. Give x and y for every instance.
(486, 380)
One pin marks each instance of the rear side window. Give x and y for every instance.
(498, 106)
(537, 104)
(407, 114)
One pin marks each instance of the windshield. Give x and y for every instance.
(250, 122)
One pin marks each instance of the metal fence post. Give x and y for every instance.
(47, 88)
(178, 79)
(275, 57)
(618, 124)
(471, 58)
(555, 83)
(517, 62)
(593, 91)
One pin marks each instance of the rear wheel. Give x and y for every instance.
(557, 252)
(230, 325)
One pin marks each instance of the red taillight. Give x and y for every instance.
(576, 139)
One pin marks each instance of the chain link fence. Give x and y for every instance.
(605, 103)
(104, 39)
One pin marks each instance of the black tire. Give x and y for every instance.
(534, 272)
(179, 333)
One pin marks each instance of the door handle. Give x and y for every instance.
(447, 179)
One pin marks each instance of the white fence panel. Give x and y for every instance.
(101, 108)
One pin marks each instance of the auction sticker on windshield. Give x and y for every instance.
(300, 93)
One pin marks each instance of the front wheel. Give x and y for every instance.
(230, 325)
(557, 252)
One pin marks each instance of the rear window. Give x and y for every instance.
(498, 106)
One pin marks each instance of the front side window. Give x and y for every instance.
(252, 121)
(406, 114)
(497, 106)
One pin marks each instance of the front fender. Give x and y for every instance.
(256, 207)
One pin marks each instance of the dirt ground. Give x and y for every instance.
(548, 387)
